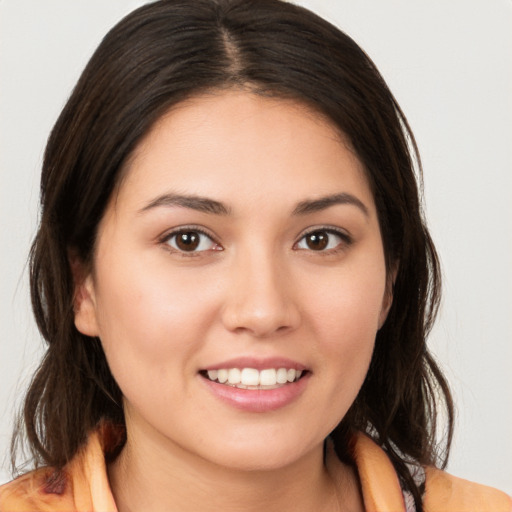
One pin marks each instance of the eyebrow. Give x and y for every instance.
(199, 203)
(207, 205)
(317, 205)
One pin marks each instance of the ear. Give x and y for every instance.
(84, 303)
(387, 301)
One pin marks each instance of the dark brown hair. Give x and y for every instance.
(157, 56)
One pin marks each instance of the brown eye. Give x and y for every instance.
(322, 240)
(188, 241)
(191, 241)
(317, 241)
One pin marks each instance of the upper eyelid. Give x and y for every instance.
(164, 240)
(201, 229)
(166, 235)
(328, 228)
(346, 239)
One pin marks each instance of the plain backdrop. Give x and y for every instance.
(448, 62)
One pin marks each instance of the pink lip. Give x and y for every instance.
(257, 400)
(257, 363)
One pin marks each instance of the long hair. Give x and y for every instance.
(156, 57)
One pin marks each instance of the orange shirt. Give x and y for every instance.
(83, 486)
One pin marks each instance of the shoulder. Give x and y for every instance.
(447, 493)
(381, 486)
(39, 490)
(81, 486)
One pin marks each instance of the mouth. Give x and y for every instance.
(254, 379)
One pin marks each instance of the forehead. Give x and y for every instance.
(234, 144)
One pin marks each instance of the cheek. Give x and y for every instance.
(345, 314)
(348, 303)
(149, 320)
(348, 331)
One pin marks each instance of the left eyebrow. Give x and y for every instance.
(317, 205)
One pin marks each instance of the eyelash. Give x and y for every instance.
(346, 240)
(186, 229)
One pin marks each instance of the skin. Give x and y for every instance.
(255, 288)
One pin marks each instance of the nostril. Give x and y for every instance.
(260, 307)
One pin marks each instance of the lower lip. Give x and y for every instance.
(258, 400)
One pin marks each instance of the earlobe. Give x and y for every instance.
(388, 296)
(386, 305)
(84, 304)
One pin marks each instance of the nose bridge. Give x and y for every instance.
(260, 299)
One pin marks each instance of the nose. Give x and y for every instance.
(260, 300)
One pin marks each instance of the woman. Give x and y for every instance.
(234, 279)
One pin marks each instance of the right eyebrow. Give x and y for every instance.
(199, 203)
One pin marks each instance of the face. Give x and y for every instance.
(238, 281)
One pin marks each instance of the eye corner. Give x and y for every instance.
(322, 240)
(196, 241)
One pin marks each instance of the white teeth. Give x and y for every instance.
(268, 377)
(234, 376)
(281, 376)
(252, 378)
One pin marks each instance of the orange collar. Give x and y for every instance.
(84, 485)
(379, 482)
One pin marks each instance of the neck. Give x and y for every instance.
(149, 476)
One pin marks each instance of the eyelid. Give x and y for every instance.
(326, 227)
(342, 233)
(164, 238)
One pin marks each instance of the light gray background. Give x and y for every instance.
(448, 62)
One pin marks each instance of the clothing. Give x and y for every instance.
(84, 486)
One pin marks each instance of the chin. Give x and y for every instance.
(262, 453)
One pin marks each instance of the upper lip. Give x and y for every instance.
(257, 363)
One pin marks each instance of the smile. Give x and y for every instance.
(251, 378)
